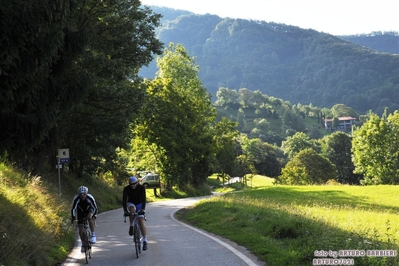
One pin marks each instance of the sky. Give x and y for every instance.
(336, 17)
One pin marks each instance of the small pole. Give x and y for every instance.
(59, 176)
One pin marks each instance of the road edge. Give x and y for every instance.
(224, 242)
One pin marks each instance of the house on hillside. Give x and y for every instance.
(345, 123)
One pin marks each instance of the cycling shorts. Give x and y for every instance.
(138, 208)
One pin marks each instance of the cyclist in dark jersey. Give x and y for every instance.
(84, 205)
(134, 200)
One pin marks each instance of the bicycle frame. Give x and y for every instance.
(86, 238)
(137, 237)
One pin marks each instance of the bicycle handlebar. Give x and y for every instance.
(76, 221)
(133, 214)
(84, 219)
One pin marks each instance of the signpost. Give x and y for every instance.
(63, 157)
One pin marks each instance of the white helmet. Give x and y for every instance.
(83, 190)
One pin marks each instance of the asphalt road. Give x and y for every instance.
(170, 242)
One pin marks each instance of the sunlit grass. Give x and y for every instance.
(30, 219)
(35, 226)
(284, 225)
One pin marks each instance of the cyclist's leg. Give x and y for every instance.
(81, 232)
(82, 235)
(92, 226)
(80, 216)
(132, 209)
(143, 229)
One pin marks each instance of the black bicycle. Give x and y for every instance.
(86, 239)
(137, 237)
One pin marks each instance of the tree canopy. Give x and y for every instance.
(69, 75)
(338, 147)
(375, 148)
(307, 168)
(178, 118)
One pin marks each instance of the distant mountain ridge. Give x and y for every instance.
(386, 42)
(298, 65)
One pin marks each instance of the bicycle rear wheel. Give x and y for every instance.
(136, 239)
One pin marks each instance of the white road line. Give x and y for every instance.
(235, 251)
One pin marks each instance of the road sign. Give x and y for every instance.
(63, 155)
(64, 160)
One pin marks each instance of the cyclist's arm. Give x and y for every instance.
(74, 207)
(143, 199)
(124, 200)
(93, 206)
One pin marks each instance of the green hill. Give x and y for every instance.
(299, 65)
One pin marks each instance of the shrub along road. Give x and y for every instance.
(170, 242)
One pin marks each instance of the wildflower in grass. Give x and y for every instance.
(367, 242)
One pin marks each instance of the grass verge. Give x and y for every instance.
(35, 224)
(287, 225)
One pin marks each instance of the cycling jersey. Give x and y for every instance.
(80, 208)
(135, 196)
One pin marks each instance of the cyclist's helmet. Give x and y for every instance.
(83, 190)
(132, 179)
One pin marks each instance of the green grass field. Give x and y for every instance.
(281, 225)
(287, 225)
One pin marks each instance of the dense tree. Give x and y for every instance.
(292, 120)
(261, 128)
(178, 118)
(34, 90)
(298, 142)
(340, 110)
(142, 156)
(225, 148)
(338, 150)
(123, 42)
(241, 118)
(227, 97)
(246, 97)
(307, 168)
(375, 148)
(262, 156)
(69, 64)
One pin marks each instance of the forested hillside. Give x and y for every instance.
(387, 42)
(299, 65)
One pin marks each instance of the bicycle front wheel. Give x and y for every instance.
(136, 237)
(89, 246)
(86, 245)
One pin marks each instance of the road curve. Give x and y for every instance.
(170, 242)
